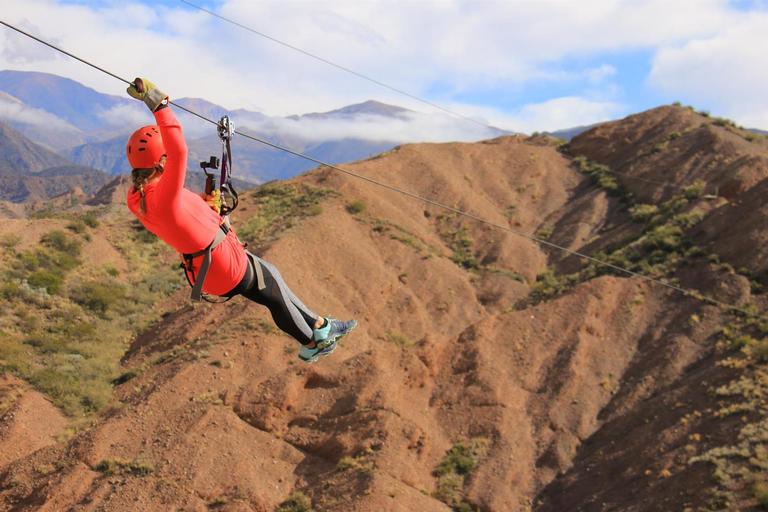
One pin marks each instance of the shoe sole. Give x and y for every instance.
(319, 355)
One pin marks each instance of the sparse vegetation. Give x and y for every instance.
(452, 471)
(739, 467)
(67, 332)
(359, 462)
(643, 213)
(545, 232)
(505, 272)
(399, 339)
(694, 190)
(724, 122)
(601, 175)
(279, 207)
(138, 467)
(399, 233)
(461, 245)
(296, 502)
(657, 251)
(99, 297)
(356, 207)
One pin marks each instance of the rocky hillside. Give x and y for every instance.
(487, 373)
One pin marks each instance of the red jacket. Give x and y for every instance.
(182, 219)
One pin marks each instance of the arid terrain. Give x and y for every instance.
(489, 372)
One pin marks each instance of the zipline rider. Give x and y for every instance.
(216, 261)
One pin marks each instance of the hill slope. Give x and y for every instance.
(487, 373)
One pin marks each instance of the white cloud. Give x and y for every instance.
(420, 47)
(565, 112)
(725, 73)
(599, 74)
(408, 127)
(121, 116)
(12, 109)
(22, 50)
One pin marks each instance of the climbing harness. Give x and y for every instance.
(197, 287)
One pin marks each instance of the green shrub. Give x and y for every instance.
(296, 502)
(280, 207)
(674, 205)
(601, 175)
(694, 190)
(12, 290)
(356, 207)
(458, 462)
(760, 491)
(667, 238)
(448, 488)
(98, 297)
(463, 254)
(399, 339)
(687, 220)
(643, 212)
(462, 457)
(123, 467)
(90, 220)
(549, 284)
(9, 241)
(50, 281)
(759, 350)
(60, 241)
(721, 121)
(78, 227)
(545, 232)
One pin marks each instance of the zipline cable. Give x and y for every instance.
(688, 293)
(338, 66)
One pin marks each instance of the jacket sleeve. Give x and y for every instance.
(172, 181)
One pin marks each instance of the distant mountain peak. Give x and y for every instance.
(370, 107)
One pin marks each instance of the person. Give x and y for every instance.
(216, 261)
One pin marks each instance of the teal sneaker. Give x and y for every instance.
(310, 355)
(326, 339)
(333, 330)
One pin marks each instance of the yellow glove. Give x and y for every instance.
(213, 200)
(144, 90)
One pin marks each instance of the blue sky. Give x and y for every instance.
(521, 65)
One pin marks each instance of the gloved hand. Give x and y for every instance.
(213, 200)
(144, 90)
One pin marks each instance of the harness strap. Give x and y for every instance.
(257, 268)
(197, 289)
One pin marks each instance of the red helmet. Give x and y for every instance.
(145, 147)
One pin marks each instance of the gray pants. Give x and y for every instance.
(270, 290)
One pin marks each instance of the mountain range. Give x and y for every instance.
(89, 128)
(31, 172)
